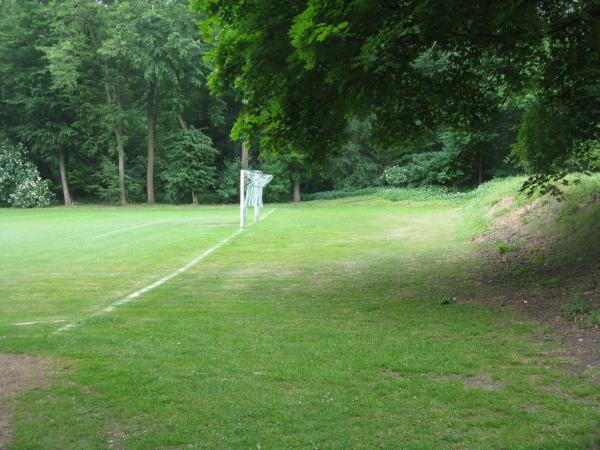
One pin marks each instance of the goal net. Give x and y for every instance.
(252, 183)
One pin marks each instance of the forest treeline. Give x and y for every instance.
(150, 100)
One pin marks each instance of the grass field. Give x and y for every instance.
(330, 324)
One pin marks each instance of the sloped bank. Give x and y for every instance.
(541, 258)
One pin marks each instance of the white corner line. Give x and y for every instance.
(266, 215)
(163, 280)
(36, 322)
(124, 230)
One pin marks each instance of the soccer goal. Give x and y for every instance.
(252, 183)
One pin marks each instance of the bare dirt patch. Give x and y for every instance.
(17, 374)
(479, 381)
(483, 381)
(116, 436)
(391, 373)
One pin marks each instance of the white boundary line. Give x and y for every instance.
(123, 230)
(163, 280)
(36, 322)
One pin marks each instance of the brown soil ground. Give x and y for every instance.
(17, 374)
(535, 271)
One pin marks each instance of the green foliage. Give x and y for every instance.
(279, 189)
(303, 68)
(359, 164)
(544, 145)
(574, 310)
(459, 159)
(423, 169)
(593, 318)
(331, 195)
(20, 183)
(505, 247)
(105, 181)
(591, 150)
(418, 194)
(228, 186)
(190, 165)
(75, 80)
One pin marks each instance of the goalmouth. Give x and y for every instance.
(252, 183)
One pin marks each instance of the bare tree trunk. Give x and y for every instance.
(63, 177)
(480, 170)
(121, 154)
(151, 136)
(194, 198)
(182, 123)
(117, 99)
(245, 147)
(297, 190)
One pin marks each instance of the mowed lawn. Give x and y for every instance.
(329, 325)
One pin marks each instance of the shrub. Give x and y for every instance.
(20, 183)
(593, 320)
(331, 195)
(426, 169)
(574, 310)
(105, 181)
(191, 165)
(504, 247)
(229, 182)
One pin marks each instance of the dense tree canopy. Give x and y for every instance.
(98, 90)
(125, 100)
(304, 68)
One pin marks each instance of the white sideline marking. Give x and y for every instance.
(24, 324)
(266, 215)
(164, 279)
(179, 271)
(123, 230)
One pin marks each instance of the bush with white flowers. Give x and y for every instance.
(20, 183)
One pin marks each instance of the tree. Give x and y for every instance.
(304, 68)
(82, 52)
(358, 164)
(190, 167)
(162, 43)
(97, 88)
(289, 168)
(38, 114)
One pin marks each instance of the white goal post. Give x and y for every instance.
(252, 183)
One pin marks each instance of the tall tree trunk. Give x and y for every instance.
(480, 170)
(194, 198)
(245, 148)
(182, 123)
(63, 177)
(152, 91)
(297, 189)
(115, 99)
(121, 154)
